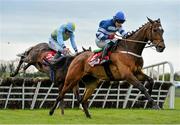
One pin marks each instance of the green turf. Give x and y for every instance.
(99, 116)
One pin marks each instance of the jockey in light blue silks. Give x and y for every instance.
(58, 36)
(106, 33)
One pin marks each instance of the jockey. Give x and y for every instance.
(106, 33)
(58, 36)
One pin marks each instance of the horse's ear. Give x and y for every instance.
(83, 48)
(158, 20)
(90, 48)
(151, 21)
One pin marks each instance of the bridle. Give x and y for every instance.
(150, 44)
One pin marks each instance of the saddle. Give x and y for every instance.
(96, 58)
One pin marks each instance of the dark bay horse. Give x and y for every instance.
(35, 56)
(126, 64)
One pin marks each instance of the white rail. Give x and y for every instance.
(118, 95)
(162, 69)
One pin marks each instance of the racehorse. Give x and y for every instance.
(36, 56)
(126, 64)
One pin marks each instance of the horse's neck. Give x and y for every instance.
(140, 35)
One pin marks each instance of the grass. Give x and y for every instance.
(99, 116)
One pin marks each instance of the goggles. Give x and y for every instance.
(120, 21)
(68, 31)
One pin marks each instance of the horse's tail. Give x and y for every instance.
(18, 67)
(25, 53)
(21, 61)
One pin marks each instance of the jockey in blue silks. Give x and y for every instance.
(106, 33)
(58, 36)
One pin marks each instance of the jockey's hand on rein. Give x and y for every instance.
(126, 35)
(111, 36)
(66, 51)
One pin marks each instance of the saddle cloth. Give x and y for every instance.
(96, 58)
(50, 55)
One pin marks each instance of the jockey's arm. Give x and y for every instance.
(60, 37)
(100, 34)
(122, 31)
(103, 31)
(73, 43)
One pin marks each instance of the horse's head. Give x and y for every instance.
(156, 34)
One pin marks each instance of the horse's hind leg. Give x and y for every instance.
(58, 99)
(87, 94)
(76, 93)
(134, 81)
(17, 69)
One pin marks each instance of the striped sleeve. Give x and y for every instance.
(122, 31)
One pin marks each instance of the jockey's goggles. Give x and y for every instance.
(68, 31)
(120, 21)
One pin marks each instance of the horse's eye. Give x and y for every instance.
(155, 30)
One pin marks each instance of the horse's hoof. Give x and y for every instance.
(11, 75)
(88, 116)
(142, 98)
(80, 107)
(156, 107)
(51, 112)
(62, 112)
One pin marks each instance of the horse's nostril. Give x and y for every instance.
(161, 48)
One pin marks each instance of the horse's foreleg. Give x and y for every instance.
(151, 83)
(57, 101)
(134, 81)
(26, 66)
(69, 83)
(142, 77)
(62, 102)
(17, 69)
(55, 105)
(60, 97)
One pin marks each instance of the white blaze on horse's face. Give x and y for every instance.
(160, 27)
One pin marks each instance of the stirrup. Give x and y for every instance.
(55, 61)
(104, 61)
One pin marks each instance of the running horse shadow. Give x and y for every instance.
(126, 64)
(37, 56)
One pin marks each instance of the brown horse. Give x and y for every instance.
(35, 56)
(126, 64)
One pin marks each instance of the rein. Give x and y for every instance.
(135, 41)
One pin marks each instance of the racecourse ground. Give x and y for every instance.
(99, 116)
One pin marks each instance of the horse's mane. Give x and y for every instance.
(133, 32)
(84, 50)
(118, 43)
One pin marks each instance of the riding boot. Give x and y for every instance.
(56, 58)
(105, 53)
